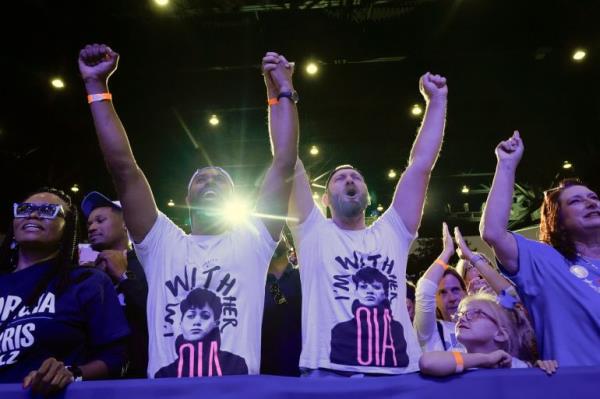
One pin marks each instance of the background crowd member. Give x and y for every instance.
(107, 235)
(281, 328)
(59, 323)
(439, 291)
(229, 260)
(330, 251)
(410, 299)
(558, 279)
(491, 336)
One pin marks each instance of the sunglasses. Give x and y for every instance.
(44, 211)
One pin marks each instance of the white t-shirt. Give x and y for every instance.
(225, 273)
(364, 330)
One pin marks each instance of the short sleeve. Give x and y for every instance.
(392, 219)
(302, 230)
(256, 235)
(163, 232)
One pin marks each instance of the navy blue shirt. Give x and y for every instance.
(281, 329)
(75, 326)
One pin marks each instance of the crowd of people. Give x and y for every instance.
(145, 299)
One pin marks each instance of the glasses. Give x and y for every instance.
(278, 296)
(471, 315)
(45, 211)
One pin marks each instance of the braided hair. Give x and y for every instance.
(67, 256)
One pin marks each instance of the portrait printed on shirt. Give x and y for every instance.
(197, 321)
(371, 337)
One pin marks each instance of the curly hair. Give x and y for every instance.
(67, 256)
(552, 231)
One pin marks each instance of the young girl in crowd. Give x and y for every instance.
(492, 335)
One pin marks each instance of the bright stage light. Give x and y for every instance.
(380, 208)
(579, 55)
(315, 196)
(161, 3)
(171, 203)
(416, 110)
(392, 174)
(314, 150)
(214, 121)
(312, 68)
(567, 165)
(465, 190)
(57, 83)
(236, 211)
(75, 188)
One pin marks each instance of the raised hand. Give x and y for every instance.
(463, 250)
(277, 72)
(510, 151)
(448, 250)
(433, 87)
(51, 377)
(97, 62)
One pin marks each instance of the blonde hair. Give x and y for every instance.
(520, 341)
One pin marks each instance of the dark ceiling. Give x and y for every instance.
(508, 65)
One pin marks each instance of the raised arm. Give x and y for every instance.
(283, 131)
(96, 63)
(494, 279)
(301, 200)
(411, 189)
(494, 223)
(425, 306)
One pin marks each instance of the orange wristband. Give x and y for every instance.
(92, 98)
(460, 362)
(442, 263)
(273, 101)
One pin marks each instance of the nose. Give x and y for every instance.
(34, 215)
(92, 228)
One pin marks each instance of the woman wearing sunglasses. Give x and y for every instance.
(558, 279)
(492, 335)
(59, 323)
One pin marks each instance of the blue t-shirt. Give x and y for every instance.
(563, 299)
(72, 327)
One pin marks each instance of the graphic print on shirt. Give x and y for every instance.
(19, 333)
(200, 307)
(371, 337)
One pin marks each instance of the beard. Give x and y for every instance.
(349, 209)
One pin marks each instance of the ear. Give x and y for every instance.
(325, 200)
(501, 336)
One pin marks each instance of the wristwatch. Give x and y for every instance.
(292, 95)
(127, 275)
(76, 371)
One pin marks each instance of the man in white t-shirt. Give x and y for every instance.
(206, 290)
(354, 320)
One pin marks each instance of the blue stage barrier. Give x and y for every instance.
(570, 383)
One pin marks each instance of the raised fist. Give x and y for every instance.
(510, 151)
(97, 62)
(433, 87)
(277, 72)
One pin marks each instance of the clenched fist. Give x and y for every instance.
(433, 87)
(97, 62)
